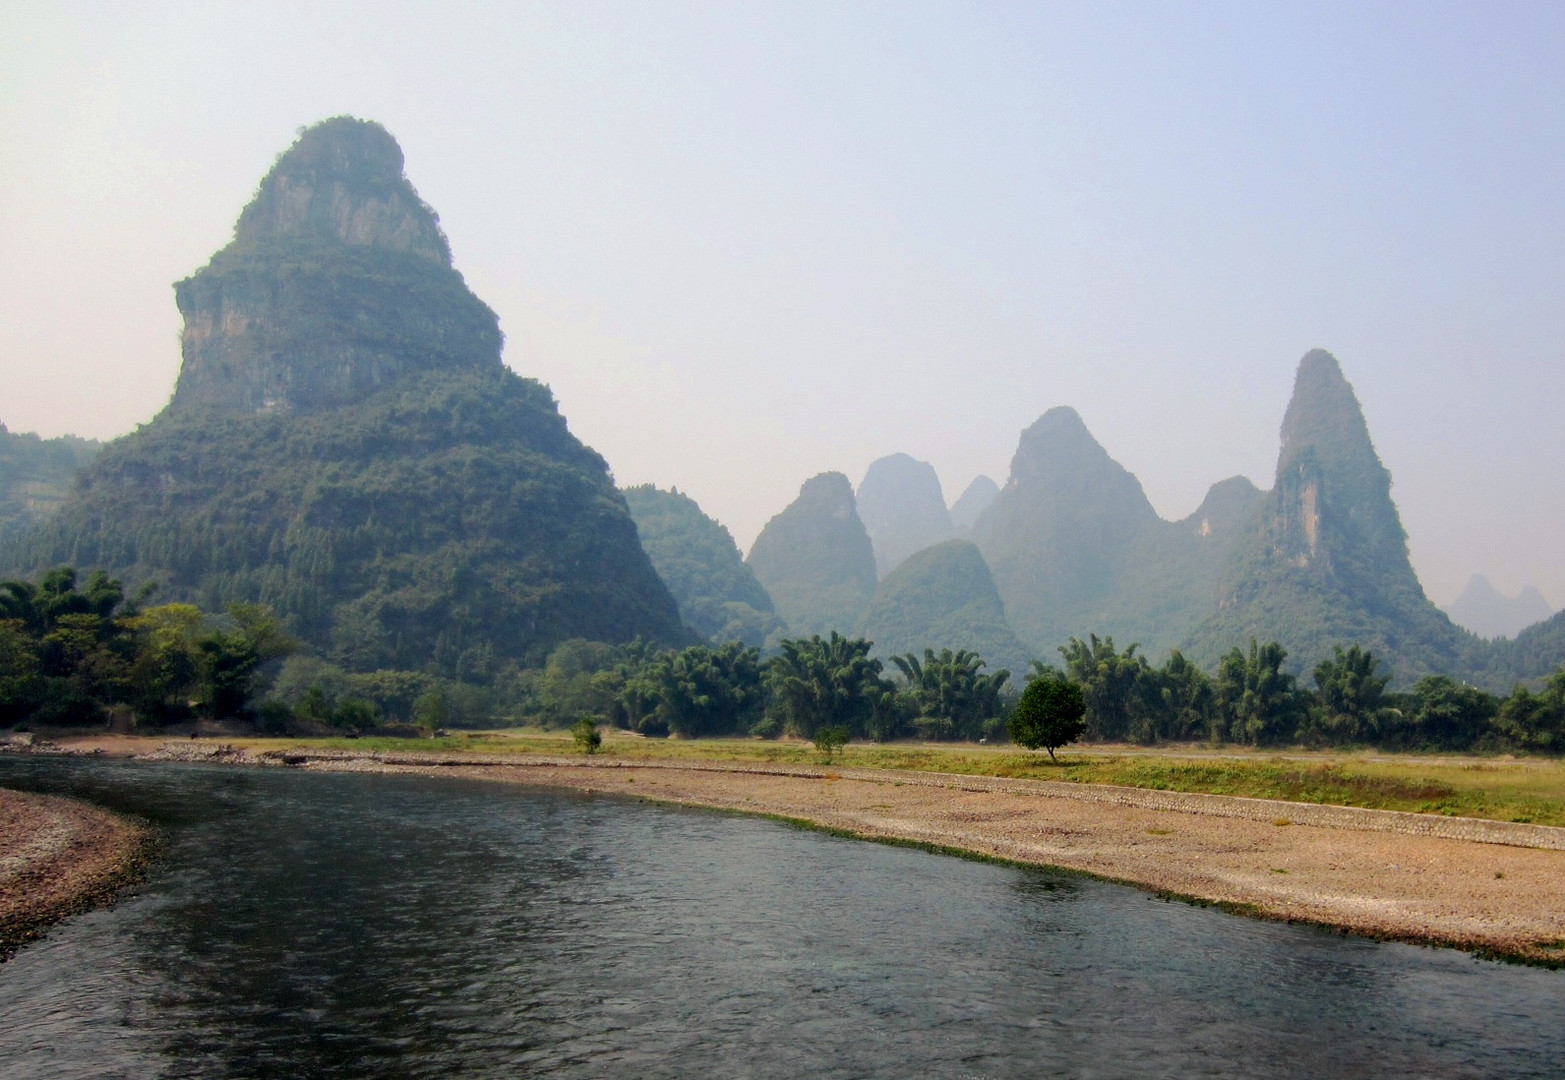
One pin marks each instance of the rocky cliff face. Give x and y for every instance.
(338, 282)
(1326, 562)
(345, 445)
(903, 509)
(815, 559)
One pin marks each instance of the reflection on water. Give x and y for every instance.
(320, 925)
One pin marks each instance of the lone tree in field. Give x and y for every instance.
(1051, 714)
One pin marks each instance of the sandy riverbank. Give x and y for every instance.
(1374, 874)
(1493, 888)
(60, 857)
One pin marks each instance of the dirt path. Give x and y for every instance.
(59, 857)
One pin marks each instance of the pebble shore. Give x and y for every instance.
(60, 857)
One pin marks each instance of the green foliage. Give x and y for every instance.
(831, 682)
(586, 735)
(942, 597)
(1441, 713)
(1351, 701)
(1536, 720)
(831, 738)
(1119, 689)
(950, 688)
(72, 656)
(1051, 714)
(1257, 702)
(718, 594)
(707, 691)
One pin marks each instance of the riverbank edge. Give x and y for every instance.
(87, 858)
(514, 769)
(473, 765)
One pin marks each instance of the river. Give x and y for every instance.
(329, 925)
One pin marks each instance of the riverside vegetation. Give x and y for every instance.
(83, 656)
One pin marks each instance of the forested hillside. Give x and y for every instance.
(697, 559)
(36, 474)
(345, 445)
(943, 598)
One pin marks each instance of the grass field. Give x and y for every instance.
(1505, 788)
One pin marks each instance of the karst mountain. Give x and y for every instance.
(345, 445)
(903, 510)
(717, 592)
(815, 559)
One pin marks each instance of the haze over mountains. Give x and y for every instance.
(345, 445)
(1073, 547)
(1489, 613)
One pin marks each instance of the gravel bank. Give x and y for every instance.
(1407, 884)
(1490, 887)
(60, 857)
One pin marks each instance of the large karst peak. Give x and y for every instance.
(1058, 462)
(1333, 495)
(343, 181)
(815, 559)
(338, 283)
(345, 446)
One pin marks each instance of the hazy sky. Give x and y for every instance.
(748, 243)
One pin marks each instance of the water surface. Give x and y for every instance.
(343, 926)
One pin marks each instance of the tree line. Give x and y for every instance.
(73, 653)
(1251, 699)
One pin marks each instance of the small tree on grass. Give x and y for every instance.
(831, 738)
(1050, 714)
(587, 735)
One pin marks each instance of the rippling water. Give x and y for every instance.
(314, 925)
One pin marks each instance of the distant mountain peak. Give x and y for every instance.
(1489, 613)
(1059, 462)
(903, 509)
(1324, 415)
(343, 180)
(815, 560)
(974, 501)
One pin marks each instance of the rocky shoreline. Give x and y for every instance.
(58, 858)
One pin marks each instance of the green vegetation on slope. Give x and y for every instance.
(449, 523)
(815, 560)
(346, 447)
(697, 559)
(36, 474)
(943, 598)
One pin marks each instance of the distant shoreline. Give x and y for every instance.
(1498, 892)
(60, 857)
